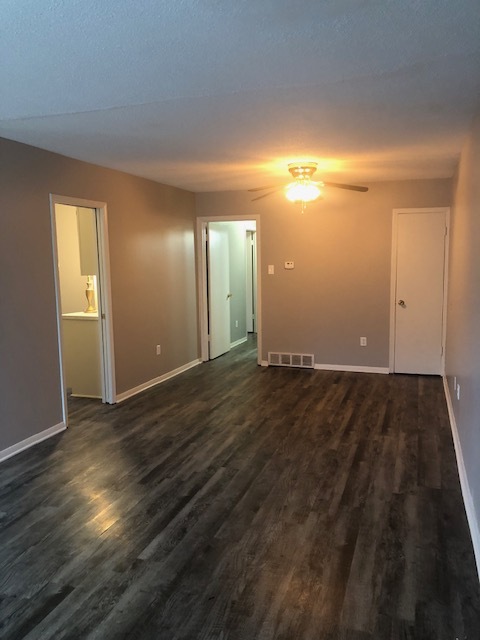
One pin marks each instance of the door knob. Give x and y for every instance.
(402, 303)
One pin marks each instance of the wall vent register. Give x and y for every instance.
(303, 360)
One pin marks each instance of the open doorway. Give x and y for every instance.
(229, 288)
(83, 300)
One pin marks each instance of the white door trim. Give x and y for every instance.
(202, 279)
(393, 278)
(105, 301)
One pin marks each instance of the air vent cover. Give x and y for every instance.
(303, 360)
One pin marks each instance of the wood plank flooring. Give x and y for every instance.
(238, 502)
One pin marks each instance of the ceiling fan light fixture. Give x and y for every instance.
(302, 191)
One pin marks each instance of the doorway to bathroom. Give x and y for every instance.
(83, 300)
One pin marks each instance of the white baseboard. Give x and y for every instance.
(81, 395)
(151, 383)
(344, 367)
(264, 363)
(238, 342)
(462, 472)
(354, 368)
(31, 441)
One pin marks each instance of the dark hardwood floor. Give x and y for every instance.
(238, 502)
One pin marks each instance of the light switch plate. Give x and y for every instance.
(271, 269)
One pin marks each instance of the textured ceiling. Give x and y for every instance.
(222, 94)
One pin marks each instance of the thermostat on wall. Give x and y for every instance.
(289, 265)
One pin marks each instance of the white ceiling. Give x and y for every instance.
(221, 94)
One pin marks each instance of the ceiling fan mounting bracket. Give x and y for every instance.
(302, 170)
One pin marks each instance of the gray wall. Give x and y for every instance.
(463, 322)
(340, 287)
(151, 232)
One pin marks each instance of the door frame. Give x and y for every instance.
(393, 277)
(105, 297)
(201, 236)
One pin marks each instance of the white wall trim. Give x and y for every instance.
(81, 395)
(343, 367)
(473, 522)
(151, 383)
(31, 441)
(354, 368)
(238, 342)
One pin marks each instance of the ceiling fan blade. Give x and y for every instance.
(270, 193)
(271, 186)
(339, 185)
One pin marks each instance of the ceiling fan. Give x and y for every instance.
(304, 189)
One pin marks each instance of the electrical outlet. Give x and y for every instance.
(363, 342)
(159, 349)
(458, 392)
(236, 323)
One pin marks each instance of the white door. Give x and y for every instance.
(419, 291)
(251, 281)
(218, 289)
